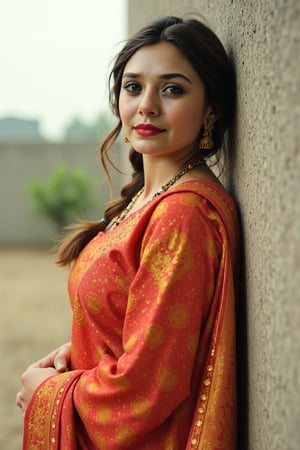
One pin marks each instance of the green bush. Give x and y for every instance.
(67, 195)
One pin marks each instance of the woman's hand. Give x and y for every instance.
(31, 379)
(59, 359)
(56, 362)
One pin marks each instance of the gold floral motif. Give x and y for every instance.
(190, 199)
(125, 435)
(103, 414)
(167, 256)
(131, 304)
(179, 316)
(93, 387)
(84, 410)
(154, 336)
(140, 407)
(100, 441)
(123, 283)
(93, 303)
(83, 382)
(78, 315)
(160, 210)
(167, 379)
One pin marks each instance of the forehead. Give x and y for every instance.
(163, 57)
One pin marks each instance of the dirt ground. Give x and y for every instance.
(35, 318)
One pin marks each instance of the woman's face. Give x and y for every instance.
(162, 102)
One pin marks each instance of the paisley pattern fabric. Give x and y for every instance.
(153, 338)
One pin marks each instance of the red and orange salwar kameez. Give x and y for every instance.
(153, 336)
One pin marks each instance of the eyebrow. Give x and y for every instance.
(165, 76)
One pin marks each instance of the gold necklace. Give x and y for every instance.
(186, 168)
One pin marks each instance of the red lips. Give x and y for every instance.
(146, 129)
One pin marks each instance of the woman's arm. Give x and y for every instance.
(128, 398)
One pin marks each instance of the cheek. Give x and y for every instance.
(188, 117)
(127, 110)
(127, 118)
(122, 109)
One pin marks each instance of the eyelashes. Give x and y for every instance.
(132, 87)
(173, 90)
(170, 90)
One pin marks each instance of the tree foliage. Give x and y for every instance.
(64, 197)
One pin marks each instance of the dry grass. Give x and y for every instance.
(35, 318)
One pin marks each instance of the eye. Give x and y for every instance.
(173, 90)
(132, 87)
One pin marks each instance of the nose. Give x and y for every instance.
(149, 105)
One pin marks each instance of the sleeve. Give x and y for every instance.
(122, 401)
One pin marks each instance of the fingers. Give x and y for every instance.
(62, 358)
(31, 379)
(19, 400)
(47, 361)
(59, 358)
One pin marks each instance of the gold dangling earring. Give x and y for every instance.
(206, 141)
(125, 139)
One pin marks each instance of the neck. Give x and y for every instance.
(153, 175)
(157, 171)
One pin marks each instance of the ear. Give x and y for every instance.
(210, 116)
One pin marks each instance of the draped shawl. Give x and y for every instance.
(153, 336)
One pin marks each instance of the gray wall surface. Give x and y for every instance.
(262, 38)
(21, 162)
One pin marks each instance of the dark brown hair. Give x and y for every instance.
(206, 54)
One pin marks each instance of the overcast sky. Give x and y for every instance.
(55, 57)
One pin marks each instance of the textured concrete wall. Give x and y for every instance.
(262, 38)
(19, 163)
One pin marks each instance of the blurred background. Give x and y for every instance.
(54, 63)
(55, 59)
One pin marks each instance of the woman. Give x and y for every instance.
(151, 363)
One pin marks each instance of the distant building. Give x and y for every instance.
(15, 129)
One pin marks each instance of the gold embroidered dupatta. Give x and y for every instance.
(215, 419)
(51, 421)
